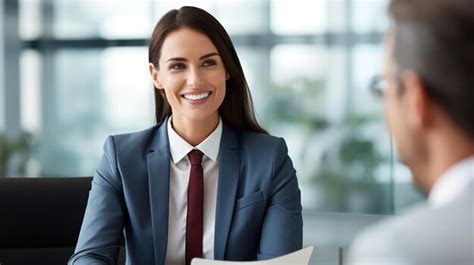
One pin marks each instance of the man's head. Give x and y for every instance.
(429, 67)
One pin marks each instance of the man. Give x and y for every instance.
(428, 93)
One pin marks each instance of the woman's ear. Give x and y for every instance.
(155, 76)
(227, 75)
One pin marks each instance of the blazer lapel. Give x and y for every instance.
(229, 172)
(158, 179)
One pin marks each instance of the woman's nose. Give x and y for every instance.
(194, 77)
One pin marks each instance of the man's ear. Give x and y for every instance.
(155, 76)
(418, 104)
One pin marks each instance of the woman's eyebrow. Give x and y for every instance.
(208, 55)
(182, 59)
(176, 59)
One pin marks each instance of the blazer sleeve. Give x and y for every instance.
(282, 230)
(103, 223)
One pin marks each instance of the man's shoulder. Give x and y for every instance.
(422, 234)
(380, 241)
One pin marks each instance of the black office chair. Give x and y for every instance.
(40, 219)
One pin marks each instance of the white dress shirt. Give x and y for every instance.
(437, 233)
(452, 182)
(178, 201)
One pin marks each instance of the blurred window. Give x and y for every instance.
(84, 75)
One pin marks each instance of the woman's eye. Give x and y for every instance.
(176, 66)
(209, 63)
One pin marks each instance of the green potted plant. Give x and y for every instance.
(10, 147)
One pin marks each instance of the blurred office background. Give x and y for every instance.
(74, 71)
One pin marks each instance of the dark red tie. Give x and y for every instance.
(194, 220)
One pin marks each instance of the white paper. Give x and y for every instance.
(300, 257)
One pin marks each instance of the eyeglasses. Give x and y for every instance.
(378, 85)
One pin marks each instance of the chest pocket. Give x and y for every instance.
(245, 233)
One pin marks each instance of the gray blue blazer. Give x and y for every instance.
(258, 208)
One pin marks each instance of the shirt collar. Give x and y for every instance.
(179, 148)
(452, 182)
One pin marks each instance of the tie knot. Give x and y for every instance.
(195, 157)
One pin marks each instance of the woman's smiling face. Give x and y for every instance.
(192, 74)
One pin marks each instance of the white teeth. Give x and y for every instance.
(196, 96)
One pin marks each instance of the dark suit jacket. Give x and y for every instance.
(258, 208)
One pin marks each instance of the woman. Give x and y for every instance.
(207, 180)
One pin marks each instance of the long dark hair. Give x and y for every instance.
(237, 108)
